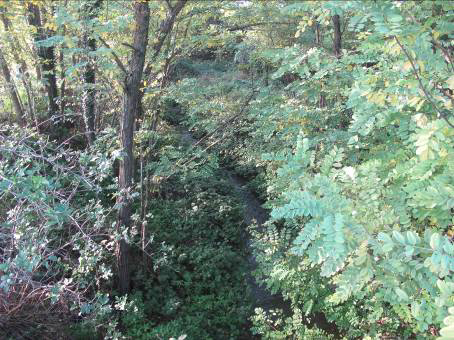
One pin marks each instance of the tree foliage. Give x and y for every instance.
(338, 114)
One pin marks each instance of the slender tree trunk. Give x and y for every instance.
(11, 87)
(165, 28)
(130, 109)
(25, 77)
(63, 82)
(91, 10)
(337, 36)
(318, 35)
(47, 58)
(318, 42)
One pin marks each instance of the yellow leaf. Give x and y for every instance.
(381, 99)
(420, 104)
(377, 98)
(407, 66)
(450, 82)
(414, 101)
(421, 65)
(443, 152)
(423, 152)
(393, 99)
(440, 98)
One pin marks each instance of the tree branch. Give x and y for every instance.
(115, 56)
(130, 46)
(224, 124)
(421, 85)
(166, 26)
(243, 27)
(169, 5)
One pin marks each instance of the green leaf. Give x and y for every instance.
(398, 236)
(395, 18)
(435, 241)
(387, 247)
(402, 295)
(412, 237)
(409, 250)
(384, 237)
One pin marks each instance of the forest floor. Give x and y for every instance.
(254, 214)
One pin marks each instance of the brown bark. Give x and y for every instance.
(318, 42)
(337, 35)
(127, 119)
(63, 82)
(11, 87)
(14, 44)
(89, 76)
(318, 35)
(165, 28)
(46, 56)
(167, 25)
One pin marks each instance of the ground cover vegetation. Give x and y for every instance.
(124, 122)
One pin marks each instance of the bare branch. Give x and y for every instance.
(116, 58)
(255, 24)
(228, 121)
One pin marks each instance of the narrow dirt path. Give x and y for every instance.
(253, 214)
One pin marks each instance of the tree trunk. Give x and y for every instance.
(25, 77)
(337, 36)
(47, 58)
(91, 10)
(318, 35)
(11, 87)
(318, 42)
(130, 110)
(63, 82)
(165, 28)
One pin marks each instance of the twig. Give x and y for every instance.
(227, 121)
(169, 5)
(116, 58)
(421, 85)
(255, 24)
(130, 46)
(248, 100)
(446, 53)
(166, 26)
